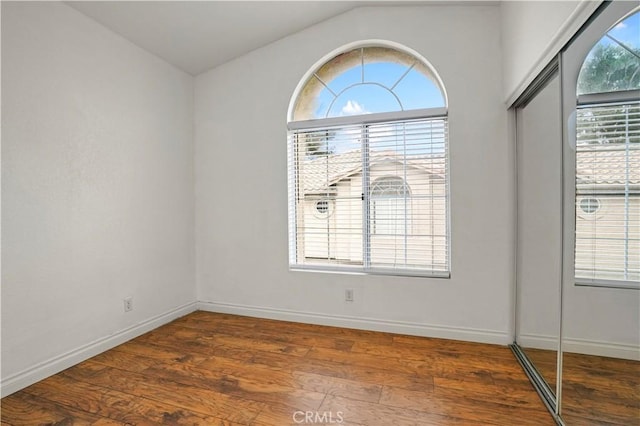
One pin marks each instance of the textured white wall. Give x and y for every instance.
(97, 184)
(241, 182)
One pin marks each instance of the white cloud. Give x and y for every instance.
(620, 26)
(353, 108)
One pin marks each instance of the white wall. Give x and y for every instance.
(241, 182)
(533, 32)
(97, 189)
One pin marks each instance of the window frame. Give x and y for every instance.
(365, 269)
(363, 121)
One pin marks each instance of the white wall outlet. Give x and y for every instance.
(128, 304)
(348, 295)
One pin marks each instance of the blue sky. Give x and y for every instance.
(627, 31)
(368, 90)
(355, 96)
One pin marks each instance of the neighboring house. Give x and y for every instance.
(407, 209)
(607, 221)
(402, 203)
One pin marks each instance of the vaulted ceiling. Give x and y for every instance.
(198, 35)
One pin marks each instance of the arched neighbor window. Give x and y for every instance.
(368, 132)
(391, 206)
(607, 239)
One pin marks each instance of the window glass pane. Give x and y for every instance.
(329, 224)
(345, 80)
(322, 103)
(416, 90)
(364, 99)
(407, 200)
(614, 62)
(389, 81)
(342, 71)
(608, 193)
(385, 73)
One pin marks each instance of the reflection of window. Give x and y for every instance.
(391, 206)
(614, 62)
(607, 245)
(364, 124)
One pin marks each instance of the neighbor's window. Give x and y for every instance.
(368, 158)
(608, 159)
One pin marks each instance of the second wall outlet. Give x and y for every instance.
(128, 304)
(348, 295)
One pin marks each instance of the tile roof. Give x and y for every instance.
(320, 173)
(601, 165)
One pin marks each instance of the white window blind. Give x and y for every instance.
(608, 194)
(370, 197)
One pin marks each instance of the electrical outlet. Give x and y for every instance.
(348, 295)
(128, 304)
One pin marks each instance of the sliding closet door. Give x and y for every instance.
(539, 248)
(601, 255)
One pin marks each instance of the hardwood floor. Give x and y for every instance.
(546, 362)
(216, 369)
(596, 390)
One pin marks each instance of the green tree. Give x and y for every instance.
(316, 142)
(610, 68)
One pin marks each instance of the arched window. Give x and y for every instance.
(607, 239)
(613, 65)
(368, 80)
(365, 126)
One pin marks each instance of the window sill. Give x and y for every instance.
(346, 270)
(624, 285)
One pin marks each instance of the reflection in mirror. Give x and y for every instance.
(601, 305)
(613, 64)
(539, 249)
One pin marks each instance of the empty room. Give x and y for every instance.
(320, 212)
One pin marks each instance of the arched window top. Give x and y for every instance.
(366, 80)
(613, 64)
(389, 187)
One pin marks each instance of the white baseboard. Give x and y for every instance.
(581, 346)
(538, 341)
(54, 365)
(398, 327)
(610, 349)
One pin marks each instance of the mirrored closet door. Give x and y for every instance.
(578, 224)
(539, 227)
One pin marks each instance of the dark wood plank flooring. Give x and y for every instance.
(546, 363)
(596, 390)
(217, 369)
